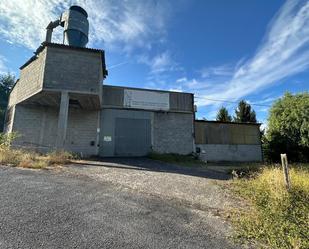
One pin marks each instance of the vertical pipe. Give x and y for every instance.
(48, 35)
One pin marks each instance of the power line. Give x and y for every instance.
(229, 101)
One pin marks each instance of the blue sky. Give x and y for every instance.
(217, 49)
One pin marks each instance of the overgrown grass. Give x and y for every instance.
(183, 160)
(29, 159)
(275, 217)
(60, 157)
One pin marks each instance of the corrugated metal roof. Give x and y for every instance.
(58, 45)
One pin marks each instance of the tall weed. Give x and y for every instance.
(275, 217)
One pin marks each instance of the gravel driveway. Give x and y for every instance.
(196, 187)
(118, 203)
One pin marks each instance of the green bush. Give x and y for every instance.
(6, 139)
(274, 216)
(288, 128)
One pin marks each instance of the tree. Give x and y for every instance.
(244, 114)
(288, 127)
(223, 115)
(6, 83)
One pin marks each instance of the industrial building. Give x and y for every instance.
(60, 102)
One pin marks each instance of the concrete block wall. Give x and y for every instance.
(75, 70)
(36, 126)
(230, 153)
(82, 131)
(31, 80)
(173, 133)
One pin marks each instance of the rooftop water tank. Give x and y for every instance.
(76, 26)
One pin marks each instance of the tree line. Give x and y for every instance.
(6, 83)
(243, 114)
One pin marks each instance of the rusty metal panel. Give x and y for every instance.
(181, 101)
(112, 96)
(200, 135)
(226, 133)
(213, 134)
(252, 135)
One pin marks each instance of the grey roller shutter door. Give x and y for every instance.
(132, 137)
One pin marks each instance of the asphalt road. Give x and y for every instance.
(49, 209)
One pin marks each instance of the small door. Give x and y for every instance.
(132, 137)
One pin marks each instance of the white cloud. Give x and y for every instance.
(219, 71)
(267, 101)
(3, 67)
(179, 89)
(161, 68)
(122, 24)
(264, 125)
(181, 80)
(161, 62)
(283, 53)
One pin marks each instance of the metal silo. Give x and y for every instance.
(76, 26)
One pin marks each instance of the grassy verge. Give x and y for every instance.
(274, 217)
(182, 160)
(29, 159)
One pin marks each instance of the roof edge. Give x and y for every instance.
(144, 89)
(58, 45)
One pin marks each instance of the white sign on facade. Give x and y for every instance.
(107, 138)
(146, 100)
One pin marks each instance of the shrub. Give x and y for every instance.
(275, 217)
(6, 139)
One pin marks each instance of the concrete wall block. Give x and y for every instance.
(230, 153)
(173, 133)
(38, 129)
(82, 131)
(31, 80)
(36, 125)
(74, 70)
